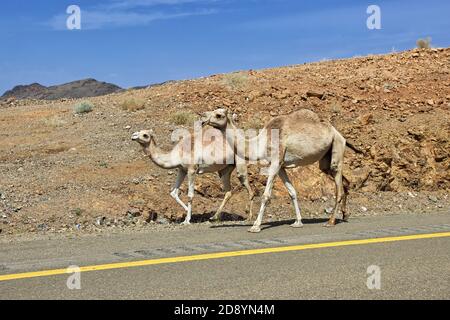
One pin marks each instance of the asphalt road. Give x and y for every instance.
(223, 261)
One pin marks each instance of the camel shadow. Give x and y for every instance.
(273, 224)
(226, 216)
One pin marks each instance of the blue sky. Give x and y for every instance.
(139, 42)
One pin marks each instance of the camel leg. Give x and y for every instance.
(225, 176)
(273, 171)
(293, 193)
(191, 175)
(176, 190)
(346, 184)
(325, 165)
(336, 165)
(243, 178)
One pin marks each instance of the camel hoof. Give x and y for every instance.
(214, 219)
(254, 229)
(297, 225)
(185, 223)
(329, 224)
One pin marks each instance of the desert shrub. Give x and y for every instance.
(133, 104)
(54, 122)
(181, 118)
(424, 43)
(83, 107)
(103, 164)
(336, 108)
(77, 211)
(235, 81)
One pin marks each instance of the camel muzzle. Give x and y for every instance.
(135, 136)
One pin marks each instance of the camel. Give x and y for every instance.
(183, 158)
(303, 139)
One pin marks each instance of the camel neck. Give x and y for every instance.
(248, 149)
(159, 157)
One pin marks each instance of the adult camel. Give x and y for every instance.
(290, 141)
(189, 163)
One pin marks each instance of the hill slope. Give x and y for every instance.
(66, 172)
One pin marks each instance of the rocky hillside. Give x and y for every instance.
(76, 89)
(66, 172)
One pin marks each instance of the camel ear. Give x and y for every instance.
(234, 117)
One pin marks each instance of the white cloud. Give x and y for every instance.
(124, 4)
(99, 19)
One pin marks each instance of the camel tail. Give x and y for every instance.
(354, 148)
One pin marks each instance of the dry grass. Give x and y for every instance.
(424, 43)
(235, 81)
(54, 122)
(133, 105)
(182, 118)
(83, 107)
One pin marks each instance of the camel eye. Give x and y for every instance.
(219, 116)
(146, 136)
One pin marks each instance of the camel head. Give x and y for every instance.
(217, 118)
(143, 137)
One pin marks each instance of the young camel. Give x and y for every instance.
(188, 163)
(303, 139)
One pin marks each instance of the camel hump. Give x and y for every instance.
(295, 119)
(306, 114)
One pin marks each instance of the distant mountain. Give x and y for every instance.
(76, 89)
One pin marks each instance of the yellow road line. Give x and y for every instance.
(220, 255)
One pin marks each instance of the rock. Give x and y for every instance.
(432, 198)
(162, 220)
(127, 127)
(366, 119)
(227, 102)
(152, 216)
(133, 212)
(364, 209)
(42, 227)
(328, 210)
(253, 95)
(416, 133)
(100, 221)
(319, 95)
